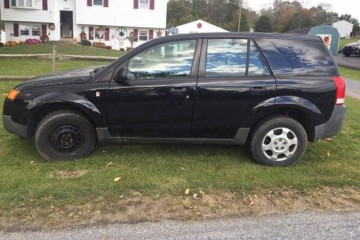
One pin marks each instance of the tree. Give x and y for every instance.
(199, 8)
(298, 21)
(178, 12)
(264, 24)
(244, 27)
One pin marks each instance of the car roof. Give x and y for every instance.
(254, 35)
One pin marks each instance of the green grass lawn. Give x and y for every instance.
(166, 170)
(35, 67)
(343, 42)
(68, 48)
(349, 73)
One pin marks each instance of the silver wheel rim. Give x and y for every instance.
(279, 144)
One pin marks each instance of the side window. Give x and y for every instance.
(228, 57)
(164, 61)
(257, 66)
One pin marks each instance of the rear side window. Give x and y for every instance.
(234, 57)
(302, 58)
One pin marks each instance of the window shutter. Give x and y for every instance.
(152, 4)
(16, 29)
(91, 33)
(136, 4)
(6, 3)
(43, 30)
(45, 4)
(89, 3)
(151, 34)
(106, 3)
(136, 33)
(107, 34)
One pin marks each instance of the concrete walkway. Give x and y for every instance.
(352, 88)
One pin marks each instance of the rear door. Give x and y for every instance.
(233, 80)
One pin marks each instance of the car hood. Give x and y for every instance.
(69, 77)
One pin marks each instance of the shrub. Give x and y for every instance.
(11, 43)
(85, 43)
(33, 41)
(108, 47)
(44, 38)
(21, 42)
(1, 44)
(99, 45)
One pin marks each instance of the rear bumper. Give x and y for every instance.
(14, 127)
(333, 126)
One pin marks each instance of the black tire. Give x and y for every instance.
(64, 135)
(347, 54)
(278, 141)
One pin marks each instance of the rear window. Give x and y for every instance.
(295, 57)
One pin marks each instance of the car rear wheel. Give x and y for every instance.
(64, 135)
(278, 141)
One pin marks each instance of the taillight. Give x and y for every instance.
(340, 89)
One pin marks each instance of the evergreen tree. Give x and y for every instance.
(264, 24)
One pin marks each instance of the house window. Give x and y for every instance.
(98, 2)
(34, 4)
(35, 30)
(24, 30)
(143, 36)
(144, 4)
(29, 30)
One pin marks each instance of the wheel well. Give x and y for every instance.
(302, 117)
(41, 112)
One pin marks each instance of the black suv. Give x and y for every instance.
(352, 49)
(273, 92)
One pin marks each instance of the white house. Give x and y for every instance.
(198, 26)
(344, 28)
(110, 21)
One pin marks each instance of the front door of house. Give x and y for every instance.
(66, 24)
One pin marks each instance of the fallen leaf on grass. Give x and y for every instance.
(109, 164)
(187, 191)
(328, 154)
(117, 179)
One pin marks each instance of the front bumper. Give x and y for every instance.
(14, 127)
(333, 126)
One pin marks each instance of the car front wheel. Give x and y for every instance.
(64, 135)
(278, 141)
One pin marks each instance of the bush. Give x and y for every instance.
(1, 44)
(32, 41)
(11, 43)
(85, 42)
(99, 45)
(44, 38)
(108, 47)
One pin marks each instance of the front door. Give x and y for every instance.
(158, 99)
(66, 24)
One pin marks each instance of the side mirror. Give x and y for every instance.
(123, 75)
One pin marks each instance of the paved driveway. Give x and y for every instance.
(352, 88)
(351, 62)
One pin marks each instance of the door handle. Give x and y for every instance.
(177, 90)
(258, 90)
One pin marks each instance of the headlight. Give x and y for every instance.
(12, 94)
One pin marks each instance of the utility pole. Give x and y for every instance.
(240, 6)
